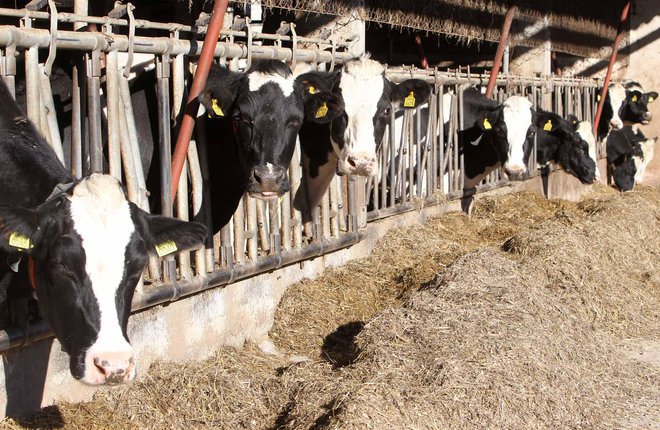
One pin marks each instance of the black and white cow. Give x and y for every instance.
(584, 130)
(557, 141)
(628, 154)
(80, 244)
(494, 135)
(625, 105)
(347, 135)
(252, 136)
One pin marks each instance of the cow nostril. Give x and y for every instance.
(101, 365)
(351, 161)
(256, 175)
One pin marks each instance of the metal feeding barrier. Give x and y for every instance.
(420, 159)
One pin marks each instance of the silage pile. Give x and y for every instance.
(514, 319)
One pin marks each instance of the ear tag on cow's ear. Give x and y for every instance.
(166, 247)
(598, 97)
(410, 100)
(19, 241)
(651, 99)
(548, 126)
(312, 90)
(487, 125)
(322, 110)
(216, 109)
(634, 98)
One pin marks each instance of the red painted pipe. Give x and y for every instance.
(615, 49)
(199, 82)
(504, 35)
(420, 50)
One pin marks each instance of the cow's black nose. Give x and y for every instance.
(269, 177)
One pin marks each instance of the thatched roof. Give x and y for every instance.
(576, 27)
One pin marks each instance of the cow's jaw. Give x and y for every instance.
(518, 118)
(362, 86)
(101, 216)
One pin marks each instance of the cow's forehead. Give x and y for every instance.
(517, 112)
(617, 95)
(256, 80)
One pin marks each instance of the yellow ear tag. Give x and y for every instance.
(214, 105)
(548, 126)
(312, 90)
(410, 100)
(166, 247)
(598, 97)
(487, 125)
(651, 99)
(322, 111)
(634, 98)
(19, 241)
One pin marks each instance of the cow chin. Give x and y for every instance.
(266, 195)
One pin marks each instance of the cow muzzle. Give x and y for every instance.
(110, 368)
(515, 172)
(646, 118)
(616, 123)
(359, 165)
(268, 182)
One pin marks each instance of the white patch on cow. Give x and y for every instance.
(584, 130)
(101, 216)
(362, 85)
(258, 79)
(617, 95)
(648, 150)
(270, 168)
(518, 118)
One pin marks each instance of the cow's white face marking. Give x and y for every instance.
(258, 79)
(518, 118)
(101, 216)
(584, 130)
(617, 95)
(362, 86)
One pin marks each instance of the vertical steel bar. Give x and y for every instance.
(94, 112)
(185, 270)
(393, 144)
(239, 232)
(252, 229)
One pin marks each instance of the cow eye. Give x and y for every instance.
(244, 121)
(385, 112)
(293, 123)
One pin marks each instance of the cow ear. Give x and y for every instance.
(488, 119)
(165, 235)
(322, 105)
(651, 96)
(547, 121)
(220, 92)
(17, 227)
(411, 93)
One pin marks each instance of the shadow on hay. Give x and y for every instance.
(339, 347)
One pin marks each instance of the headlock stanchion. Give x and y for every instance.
(421, 163)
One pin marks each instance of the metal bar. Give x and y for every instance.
(199, 82)
(51, 115)
(185, 271)
(197, 186)
(504, 36)
(610, 66)
(252, 229)
(32, 86)
(112, 105)
(239, 231)
(94, 112)
(80, 18)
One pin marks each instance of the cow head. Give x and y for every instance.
(357, 130)
(509, 127)
(627, 105)
(267, 106)
(584, 130)
(558, 139)
(87, 250)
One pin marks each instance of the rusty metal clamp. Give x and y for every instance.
(131, 39)
(52, 48)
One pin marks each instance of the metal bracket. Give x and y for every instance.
(36, 5)
(119, 10)
(248, 28)
(131, 39)
(162, 66)
(294, 47)
(52, 48)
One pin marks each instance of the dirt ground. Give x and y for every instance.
(534, 313)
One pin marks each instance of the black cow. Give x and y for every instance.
(252, 136)
(347, 134)
(80, 244)
(494, 135)
(625, 105)
(628, 154)
(557, 141)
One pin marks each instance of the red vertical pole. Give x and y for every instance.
(615, 48)
(497, 62)
(420, 50)
(199, 82)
